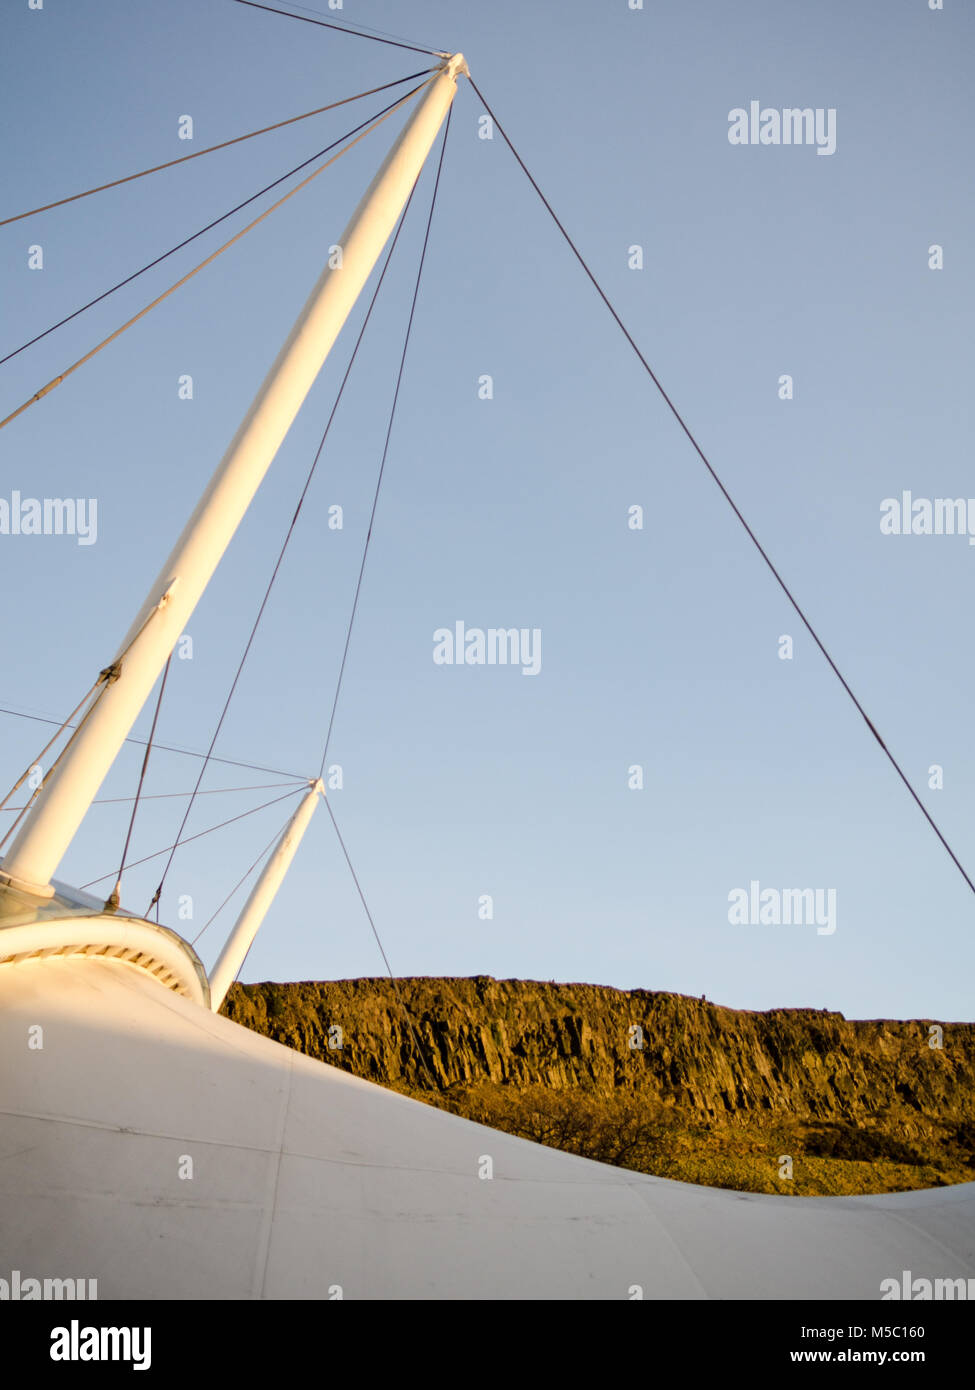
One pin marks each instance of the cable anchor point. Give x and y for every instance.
(110, 674)
(455, 65)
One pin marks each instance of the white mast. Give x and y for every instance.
(248, 924)
(49, 828)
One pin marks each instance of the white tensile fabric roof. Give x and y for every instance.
(308, 1183)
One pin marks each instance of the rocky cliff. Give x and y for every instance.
(833, 1088)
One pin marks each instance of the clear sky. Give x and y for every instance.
(659, 647)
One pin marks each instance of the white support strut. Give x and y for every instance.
(51, 825)
(248, 924)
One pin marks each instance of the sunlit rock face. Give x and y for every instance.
(873, 1106)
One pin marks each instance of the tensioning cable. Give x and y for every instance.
(342, 28)
(158, 260)
(162, 748)
(180, 796)
(389, 432)
(365, 907)
(355, 604)
(287, 539)
(724, 491)
(210, 149)
(210, 830)
(116, 894)
(56, 381)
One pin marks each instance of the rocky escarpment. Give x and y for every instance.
(700, 1061)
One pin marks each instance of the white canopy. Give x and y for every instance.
(308, 1183)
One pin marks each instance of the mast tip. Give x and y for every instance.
(455, 65)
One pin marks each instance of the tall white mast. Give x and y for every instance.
(64, 800)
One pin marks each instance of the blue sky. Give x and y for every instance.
(659, 647)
